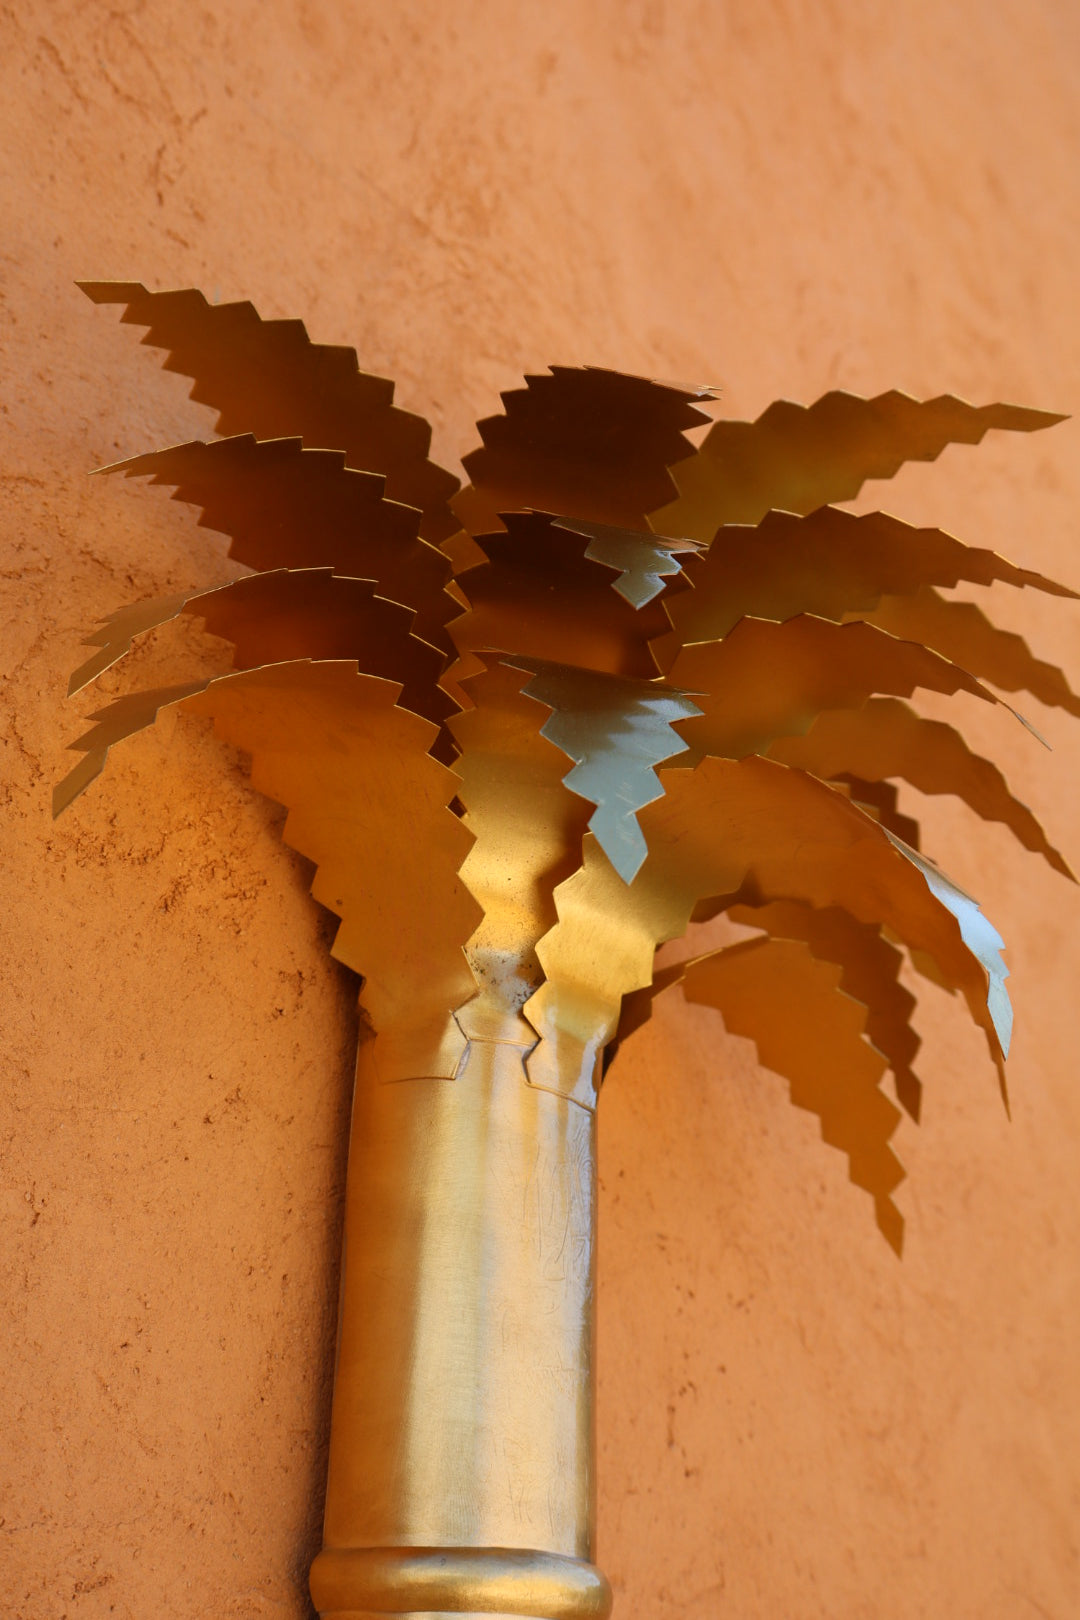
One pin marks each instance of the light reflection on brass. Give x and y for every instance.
(465, 1386)
(526, 828)
(521, 732)
(616, 732)
(645, 563)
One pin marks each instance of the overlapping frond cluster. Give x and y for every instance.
(530, 729)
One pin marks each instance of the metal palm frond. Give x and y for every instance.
(657, 684)
(796, 458)
(267, 378)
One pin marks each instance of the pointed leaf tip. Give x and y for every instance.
(978, 934)
(797, 458)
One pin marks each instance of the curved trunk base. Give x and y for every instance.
(507, 1583)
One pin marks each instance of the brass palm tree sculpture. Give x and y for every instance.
(528, 731)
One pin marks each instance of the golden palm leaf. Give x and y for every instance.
(795, 458)
(267, 378)
(584, 442)
(962, 632)
(886, 739)
(284, 506)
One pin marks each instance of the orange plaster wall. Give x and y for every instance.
(782, 197)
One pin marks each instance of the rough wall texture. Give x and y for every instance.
(782, 197)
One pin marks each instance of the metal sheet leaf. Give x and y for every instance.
(369, 805)
(799, 457)
(717, 827)
(644, 562)
(269, 379)
(616, 732)
(831, 563)
(962, 632)
(286, 507)
(768, 680)
(288, 614)
(539, 594)
(527, 832)
(979, 935)
(582, 441)
(886, 738)
(879, 799)
(122, 718)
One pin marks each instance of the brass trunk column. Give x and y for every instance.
(462, 1454)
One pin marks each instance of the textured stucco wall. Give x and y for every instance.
(781, 197)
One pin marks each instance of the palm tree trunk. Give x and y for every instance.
(462, 1452)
